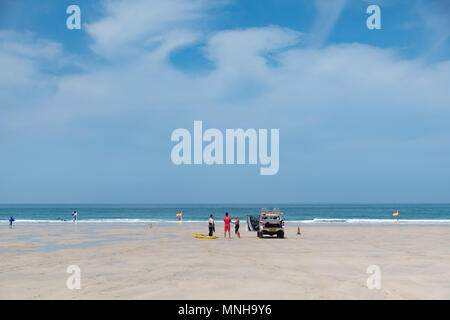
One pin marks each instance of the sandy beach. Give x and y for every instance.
(132, 261)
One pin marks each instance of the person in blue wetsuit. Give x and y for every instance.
(11, 220)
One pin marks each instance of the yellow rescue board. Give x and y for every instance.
(203, 236)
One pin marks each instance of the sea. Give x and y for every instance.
(426, 214)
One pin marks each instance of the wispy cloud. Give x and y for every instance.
(327, 15)
(130, 26)
(434, 16)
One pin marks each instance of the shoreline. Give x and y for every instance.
(315, 222)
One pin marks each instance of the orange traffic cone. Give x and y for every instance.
(298, 230)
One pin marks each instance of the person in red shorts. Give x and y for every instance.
(227, 221)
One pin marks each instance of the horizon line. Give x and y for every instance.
(230, 203)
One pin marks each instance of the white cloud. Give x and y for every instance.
(21, 55)
(132, 25)
(27, 45)
(237, 48)
(15, 71)
(307, 86)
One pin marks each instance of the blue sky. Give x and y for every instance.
(86, 115)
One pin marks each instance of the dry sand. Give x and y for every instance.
(166, 262)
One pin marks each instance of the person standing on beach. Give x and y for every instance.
(236, 227)
(11, 220)
(74, 214)
(227, 221)
(211, 225)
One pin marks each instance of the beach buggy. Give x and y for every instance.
(269, 222)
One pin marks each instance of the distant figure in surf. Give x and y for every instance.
(74, 214)
(11, 220)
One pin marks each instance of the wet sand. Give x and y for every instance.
(132, 261)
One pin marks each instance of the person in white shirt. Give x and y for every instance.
(74, 214)
(212, 227)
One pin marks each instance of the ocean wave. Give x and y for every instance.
(288, 222)
(118, 220)
(371, 221)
